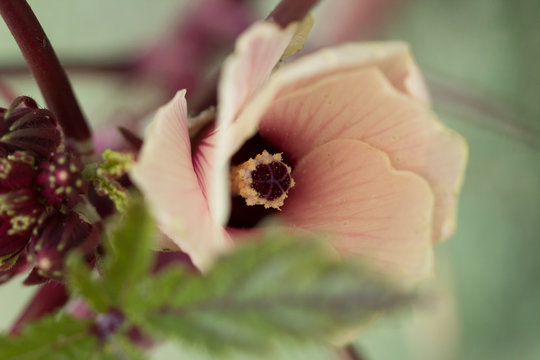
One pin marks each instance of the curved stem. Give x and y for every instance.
(113, 67)
(47, 70)
(288, 11)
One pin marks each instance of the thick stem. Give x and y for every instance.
(103, 67)
(288, 11)
(42, 61)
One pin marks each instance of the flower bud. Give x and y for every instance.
(23, 126)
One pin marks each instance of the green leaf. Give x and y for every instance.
(119, 348)
(275, 288)
(152, 291)
(128, 257)
(127, 262)
(82, 282)
(50, 339)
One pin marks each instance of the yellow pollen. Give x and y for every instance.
(20, 223)
(265, 190)
(5, 168)
(62, 175)
(45, 263)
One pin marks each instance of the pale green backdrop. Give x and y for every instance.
(481, 58)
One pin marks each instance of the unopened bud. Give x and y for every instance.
(23, 126)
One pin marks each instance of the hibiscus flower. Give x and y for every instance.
(339, 142)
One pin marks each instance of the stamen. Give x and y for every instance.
(264, 180)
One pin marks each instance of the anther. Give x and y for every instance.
(264, 180)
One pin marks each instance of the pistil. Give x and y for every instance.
(264, 180)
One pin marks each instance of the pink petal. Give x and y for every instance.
(393, 59)
(257, 52)
(349, 190)
(362, 105)
(166, 176)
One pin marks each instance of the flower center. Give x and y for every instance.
(60, 181)
(20, 224)
(264, 180)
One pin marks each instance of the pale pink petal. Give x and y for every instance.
(257, 52)
(362, 105)
(393, 59)
(244, 92)
(164, 173)
(349, 190)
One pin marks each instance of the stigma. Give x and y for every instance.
(264, 180)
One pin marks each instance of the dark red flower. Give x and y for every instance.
(39, 186)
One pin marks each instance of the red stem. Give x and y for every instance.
(42, 61)
(50, 297)
(120, 67)
(288, 11)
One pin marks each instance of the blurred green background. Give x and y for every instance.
(481, 60)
